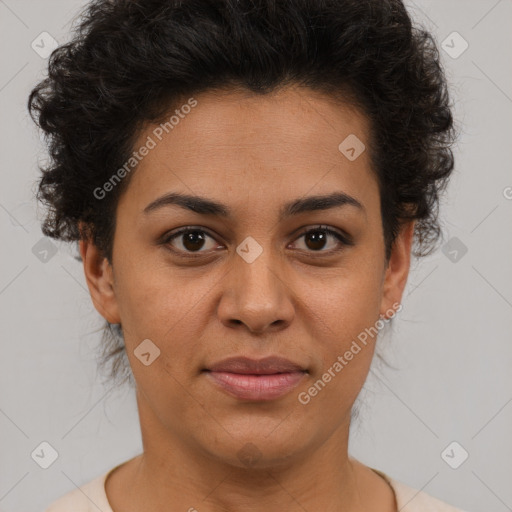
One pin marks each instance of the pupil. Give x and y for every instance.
(193, 241)
(317, 238)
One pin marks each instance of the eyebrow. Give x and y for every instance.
(204, 206)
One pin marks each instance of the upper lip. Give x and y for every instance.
(266, 366)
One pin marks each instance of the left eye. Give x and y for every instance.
(193, 240)
(316, 239)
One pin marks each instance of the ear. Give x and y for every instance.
(100, 281)
(397, 270)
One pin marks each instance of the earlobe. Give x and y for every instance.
(100, 281)
(397, 270)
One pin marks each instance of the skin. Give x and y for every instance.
(253, 154)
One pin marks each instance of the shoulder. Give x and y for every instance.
(89, 497)
(412, 500)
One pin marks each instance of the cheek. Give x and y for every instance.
(345, 310)
(347, 302)
(345, 349)
(149, 302)
(156, 305)
(169, 309)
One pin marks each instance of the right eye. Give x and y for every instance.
(188, 240)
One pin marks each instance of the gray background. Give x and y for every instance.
(451, 344)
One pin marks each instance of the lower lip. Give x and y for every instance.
(256, 387)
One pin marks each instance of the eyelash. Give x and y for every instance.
(190, 229)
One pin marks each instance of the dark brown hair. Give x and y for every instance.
(130, 61)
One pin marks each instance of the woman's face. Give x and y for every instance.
(249, 282)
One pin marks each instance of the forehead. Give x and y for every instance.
(284, 121)
(246, 146)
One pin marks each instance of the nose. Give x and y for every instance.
(256, 295)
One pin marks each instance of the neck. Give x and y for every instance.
(170, 471)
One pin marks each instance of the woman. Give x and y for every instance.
(246, 180)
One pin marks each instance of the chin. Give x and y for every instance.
(259, 448)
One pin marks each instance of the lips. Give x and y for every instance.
(256, 380)
(247, 366)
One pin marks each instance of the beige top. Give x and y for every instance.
(91, 497)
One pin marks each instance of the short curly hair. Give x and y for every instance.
(130, 62)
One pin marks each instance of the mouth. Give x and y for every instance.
(256, 380)
(262, 387)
